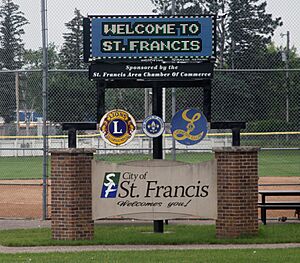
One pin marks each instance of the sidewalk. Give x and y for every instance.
(61, 249)
(23, 224)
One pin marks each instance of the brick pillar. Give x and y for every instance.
(71, 194)
(237, 191)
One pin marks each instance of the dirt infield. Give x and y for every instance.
(23, 198)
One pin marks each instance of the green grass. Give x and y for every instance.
(137, 234)
(271, 163)
(188, 157)
(21, 167)
(188, 256)
(279, 163)
(178, 234)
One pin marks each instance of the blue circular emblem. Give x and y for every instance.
(189, 126)
(153, 126)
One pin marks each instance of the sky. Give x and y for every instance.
(62, 11)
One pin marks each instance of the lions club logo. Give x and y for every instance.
(117, 127)
(189, 126)
(153, 126)
(110, 185)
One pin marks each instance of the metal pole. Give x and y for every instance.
(101, 87)
(72, 143)
(236, 137)
(173, 113)
(287, 74)
(164, 117)
(207, 101)
(173, 101)
(17, 84)
(146, 102)
(45, 102)
(158, 225)
(157, 110)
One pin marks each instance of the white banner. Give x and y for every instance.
(154, 190)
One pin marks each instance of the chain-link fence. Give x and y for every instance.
(250, 84)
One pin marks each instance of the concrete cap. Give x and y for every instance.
(72, 150)
(236, 149)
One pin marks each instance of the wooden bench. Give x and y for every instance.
(284, 205)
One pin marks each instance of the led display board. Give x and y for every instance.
(144, 37)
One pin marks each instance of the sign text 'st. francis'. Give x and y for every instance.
(150, 36)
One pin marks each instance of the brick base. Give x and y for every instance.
(71, 194)
(237, 191)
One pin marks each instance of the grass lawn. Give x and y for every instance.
(279, 163)
(21, 167)
(137, 234)
(203, 256)
(271, 163)
(178, 234)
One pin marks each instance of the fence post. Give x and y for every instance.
(45, 104)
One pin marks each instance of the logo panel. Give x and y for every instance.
(117, 127)
(189, 126)
(153, 126)
(110, 185)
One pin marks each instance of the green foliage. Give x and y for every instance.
(232, 92)
(32, 87)
(12, 21)
(72, 51)
(7, 97)
(72, 98)
(244, 29)
(33, 59)
(271, 125)
(129, 99)
(250, 30)
(11, 29)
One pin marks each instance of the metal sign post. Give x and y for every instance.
(157, 142)
(100, 85)
(73, 127)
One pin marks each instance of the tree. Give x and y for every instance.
(72, 98)
(244, 29)
(200, 7)
(33, 59)
(182, 7)
(250, 30)
(11, 29)
(72, 50)
(12, 21)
